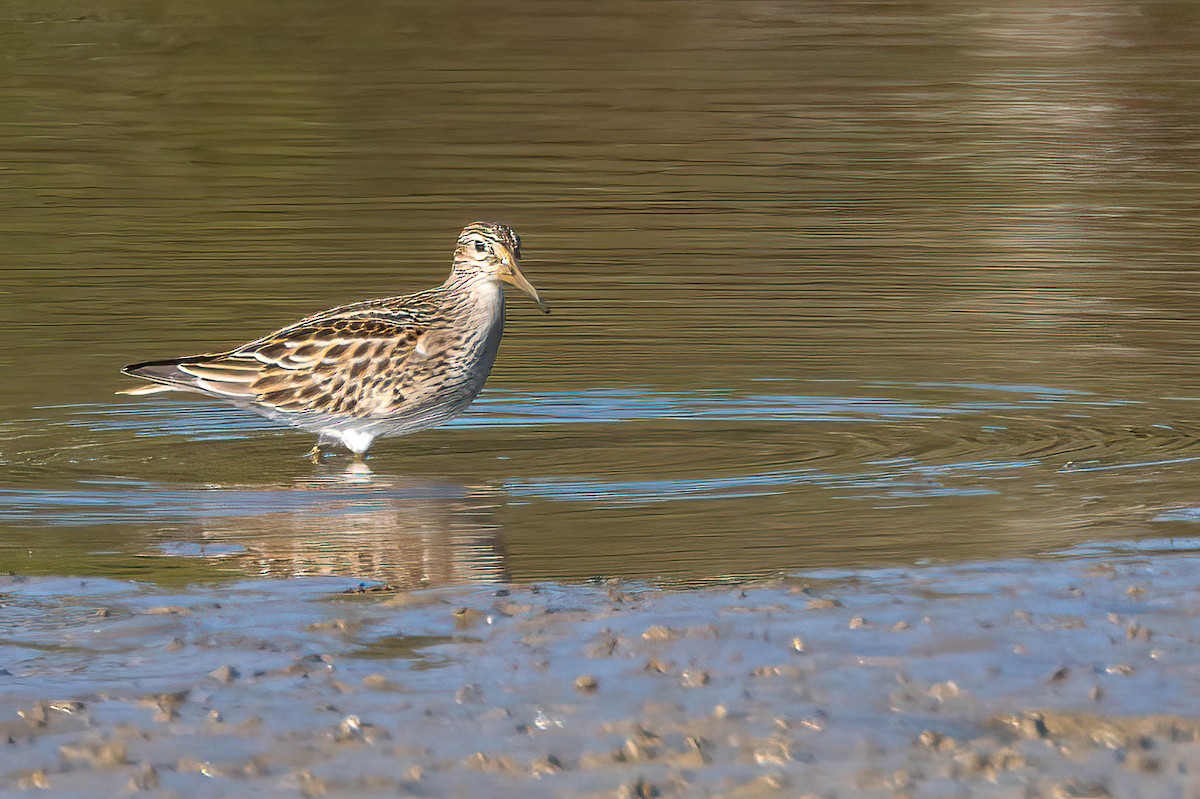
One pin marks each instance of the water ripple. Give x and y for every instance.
(716, 479)
(907, 481)
(205, 420)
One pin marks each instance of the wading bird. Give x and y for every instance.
(370, 369)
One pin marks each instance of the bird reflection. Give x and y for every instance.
(402, 531)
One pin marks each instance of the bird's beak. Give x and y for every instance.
(510, 273)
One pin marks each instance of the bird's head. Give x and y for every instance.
(494, 251)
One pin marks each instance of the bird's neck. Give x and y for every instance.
(465, 277)
(475, 292)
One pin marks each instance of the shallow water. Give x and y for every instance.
(833, 285)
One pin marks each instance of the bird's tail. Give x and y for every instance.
(164, 375)
(153, 388)
(208, 374)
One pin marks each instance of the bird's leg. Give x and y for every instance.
(323, 440)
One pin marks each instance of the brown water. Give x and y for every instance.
(834, 285)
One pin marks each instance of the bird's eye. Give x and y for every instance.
(480, 247)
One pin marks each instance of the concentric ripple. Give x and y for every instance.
(860, 469)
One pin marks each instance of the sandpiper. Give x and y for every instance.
(370, 369)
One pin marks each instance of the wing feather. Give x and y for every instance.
(349, 360)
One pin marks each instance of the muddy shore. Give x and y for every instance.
(1068, 678)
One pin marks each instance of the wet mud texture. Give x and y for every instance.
(1053, 678)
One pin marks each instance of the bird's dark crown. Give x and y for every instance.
(494, 231)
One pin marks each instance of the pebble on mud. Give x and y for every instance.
(793, 672)
(657, 666)
(1074, 789)
(352, 728)
(550, 764)
(776, 752)
(766, 785)
(40, 714)
(469, 694)
(167, 705)
(513, 608)
(486, 763)
(931, 739)
(333, 626)
(638, 789)
(468, 617)
(225, 674)
(657, 632)
(586, 683)
(700, 748)
(36, 716)
(642, 745)
(1142, 762)
(34, 779)
(605, 647)
(1136, 631)
(96, 753)
(204, 767)
(944, 690)
(1059, 675)
(310, 785)
(379, 682)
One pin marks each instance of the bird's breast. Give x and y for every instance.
(474, 332)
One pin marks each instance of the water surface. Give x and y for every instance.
(834, 285)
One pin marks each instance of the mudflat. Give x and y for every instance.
(1056, 678)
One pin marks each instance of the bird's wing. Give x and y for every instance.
(355, 360)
